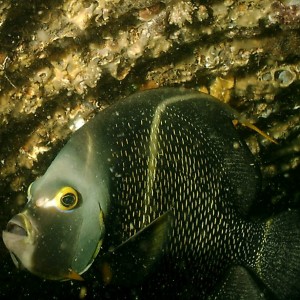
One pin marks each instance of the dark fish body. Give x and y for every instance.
(162, 176)
(182, 154)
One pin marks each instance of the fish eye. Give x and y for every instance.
(66, 198)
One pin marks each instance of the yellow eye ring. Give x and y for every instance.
(66, 198)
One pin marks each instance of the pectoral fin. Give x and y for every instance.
(131, 261)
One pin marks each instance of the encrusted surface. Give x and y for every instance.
(62, 61)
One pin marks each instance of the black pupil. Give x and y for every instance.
(68, 200)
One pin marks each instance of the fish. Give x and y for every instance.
(161, 178)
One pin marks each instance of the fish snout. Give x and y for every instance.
(19, 238)
(19, 234)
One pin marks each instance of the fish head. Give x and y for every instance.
(59, 232)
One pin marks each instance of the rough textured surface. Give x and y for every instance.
(62, 61)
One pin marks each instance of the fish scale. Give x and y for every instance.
(176, 177)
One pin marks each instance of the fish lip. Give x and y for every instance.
(23, 221)
(18, 237)
(17, 225)
(16, 260)
(23, 231)
(10, 239)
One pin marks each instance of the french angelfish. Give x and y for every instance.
(160, 176)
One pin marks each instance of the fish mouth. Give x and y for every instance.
(18, 237)
(17, 225)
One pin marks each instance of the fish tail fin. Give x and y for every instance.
(278, 261)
